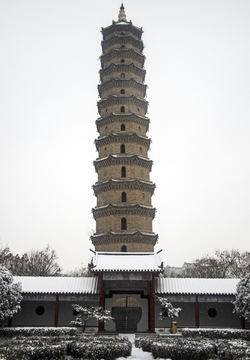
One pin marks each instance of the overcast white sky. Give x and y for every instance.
(198, 76)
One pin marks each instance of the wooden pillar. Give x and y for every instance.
(243, 323)
(197, 315)
(101, 299)
(10, 321)
(56, 310)
(152, 305)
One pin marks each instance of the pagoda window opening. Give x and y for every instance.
(122, 61)
(123, 46)
(124, 224)
(122, 127)
(122, 149)
(122, 76)
(124, 248)
(122, 91)
(122, 33)
(122, 108)
(123, 172)
(140, 149)
(124, 197)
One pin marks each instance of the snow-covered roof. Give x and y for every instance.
(126, 261)
(196, 286)
(57, 285)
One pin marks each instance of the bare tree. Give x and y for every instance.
(33, 263)
(82, 271)
(43, 262)
(222, 264)
(173, 272)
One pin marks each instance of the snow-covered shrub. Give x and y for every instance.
(232, 350)
(37, 331)
(168, 310)
(33, 348)
(194, 348)
(242, 298)
(182, 349)
(216, 333)
(36, 353)
(56, 347)
(101, 347)
(90, 312)
(10, 294)
(145, 342)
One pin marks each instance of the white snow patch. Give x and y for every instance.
(137, 353)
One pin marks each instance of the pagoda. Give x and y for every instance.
(124, 261)
(124, 212)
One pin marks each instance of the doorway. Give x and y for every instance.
(127, 313)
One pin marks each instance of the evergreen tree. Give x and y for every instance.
(10, 294)
(242, 298)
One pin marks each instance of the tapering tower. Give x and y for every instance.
(124, 212)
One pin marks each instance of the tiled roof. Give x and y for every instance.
(57, 285)
(196, 286)
(126, 261)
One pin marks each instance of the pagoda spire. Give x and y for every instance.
(122, 15)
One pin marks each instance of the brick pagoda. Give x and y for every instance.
(124, 212)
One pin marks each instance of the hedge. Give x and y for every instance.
(195, 348)
(217, 333)
(101, 348)
(177, 348)
(55, 347)
(37, 331)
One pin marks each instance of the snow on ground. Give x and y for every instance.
(137, 353)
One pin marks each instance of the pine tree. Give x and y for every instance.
(242, 298)
(10, 294)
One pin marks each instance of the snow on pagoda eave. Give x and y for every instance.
(126, 262)
(131, 233)
(122, 115)
(122, 22)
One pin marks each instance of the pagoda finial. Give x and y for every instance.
(122, 15)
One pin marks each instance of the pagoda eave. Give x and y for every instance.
(115, 184)
(123, 160)
(128, 138)
(127, 209)
(126, 237)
